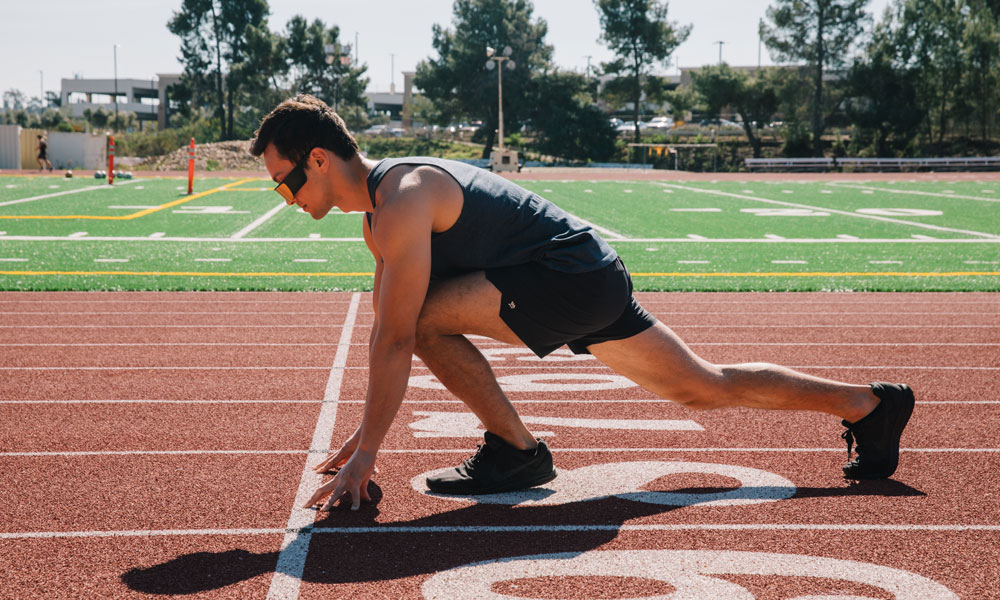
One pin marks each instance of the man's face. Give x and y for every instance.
(312, 196)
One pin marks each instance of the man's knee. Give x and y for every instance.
(706, 390)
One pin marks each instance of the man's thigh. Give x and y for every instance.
(468, 304)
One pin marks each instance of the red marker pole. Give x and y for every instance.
(191, 167)
(111, 159)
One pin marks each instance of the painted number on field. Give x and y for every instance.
(625, 480)
(463, 424)
(694, 574)
(785, 212)
(542, 382)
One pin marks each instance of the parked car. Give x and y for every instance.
(660, 123)
(629, 127)
(718, 123)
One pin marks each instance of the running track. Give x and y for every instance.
(158, 443)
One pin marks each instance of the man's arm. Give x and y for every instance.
(402, 239)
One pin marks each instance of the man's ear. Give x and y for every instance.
(320, 157)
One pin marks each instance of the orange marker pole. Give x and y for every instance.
(111, 159)
(191, 167)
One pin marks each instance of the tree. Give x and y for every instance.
(578, 129)
(215, 31)
(14, 98)
(320, 65)
(883, 102)
(819, 32)
(981, 53)
(752, 98)
(457, 80)
(638, 32)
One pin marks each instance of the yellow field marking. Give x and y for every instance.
(370, 274)
(136, 215)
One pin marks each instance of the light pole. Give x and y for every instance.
(720, 43)
(116, 87)
(499, 66)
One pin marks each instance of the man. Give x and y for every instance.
(461, 251)
(43, 154)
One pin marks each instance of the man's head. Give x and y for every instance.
(302, 123)
(300, 140)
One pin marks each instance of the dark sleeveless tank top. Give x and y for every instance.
(503, 224)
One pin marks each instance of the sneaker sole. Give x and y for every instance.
(907, 402)
(507, 487)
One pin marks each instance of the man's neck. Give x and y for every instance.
(357, 170)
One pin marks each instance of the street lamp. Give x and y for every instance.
(497, 62)
(116, 87)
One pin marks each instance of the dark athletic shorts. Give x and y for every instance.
(548, 308)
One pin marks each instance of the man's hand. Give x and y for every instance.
(351, 479)
(337, 459)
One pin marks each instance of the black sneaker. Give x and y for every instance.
(496, 467)
(878, 434)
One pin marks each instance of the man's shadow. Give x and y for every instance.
(446, 539)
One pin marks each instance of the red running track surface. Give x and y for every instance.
(154, 444)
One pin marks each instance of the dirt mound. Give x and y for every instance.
(216, 156)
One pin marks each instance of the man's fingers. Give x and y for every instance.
(322, 491)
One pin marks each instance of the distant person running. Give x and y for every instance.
(43, 154)
(461, 251)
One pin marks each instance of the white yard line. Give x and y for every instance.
(912, 192)
(611, 235)
(295, 546)
(54, 194)
(264, 219)
(835, 211)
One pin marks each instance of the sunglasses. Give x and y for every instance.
(293, 182)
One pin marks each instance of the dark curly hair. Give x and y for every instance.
(300, 124)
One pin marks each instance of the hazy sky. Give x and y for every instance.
(46, 40)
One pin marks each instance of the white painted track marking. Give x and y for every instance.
(498, 529)
(913, 192)
(834, 211)
(295, 546)
(264, 219)
(625, 480)
(436, 424)
(691, 574)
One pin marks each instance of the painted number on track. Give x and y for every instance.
(692, 573)
(466, 425)
(542, 382)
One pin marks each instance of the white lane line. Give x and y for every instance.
(140, 533)
(53, 195)
(13, 260)
(295, 546)
(495, 367)
(77, 235)
(264, 219)
(833, 210)
(310, 260)
(213, 260)
(316, 456)
(789, 262)
(157, 235)
(110, 260)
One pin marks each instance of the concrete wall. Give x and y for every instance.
(78, 150)
(10, 146)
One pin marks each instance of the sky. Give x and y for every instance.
(55, 39)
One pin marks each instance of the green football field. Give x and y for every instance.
(237, 234)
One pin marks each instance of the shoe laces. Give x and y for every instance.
(482, 452)
(848, 436)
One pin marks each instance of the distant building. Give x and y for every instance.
(149, 99)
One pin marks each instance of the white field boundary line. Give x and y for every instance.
(140, 533)
(67, 192)
(295, 546)
(833, 210)
(323, 453)
(264, 219)
(911, 192)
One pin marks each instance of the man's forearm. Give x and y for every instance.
(389, 373)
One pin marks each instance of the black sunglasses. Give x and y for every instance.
(293, 182)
